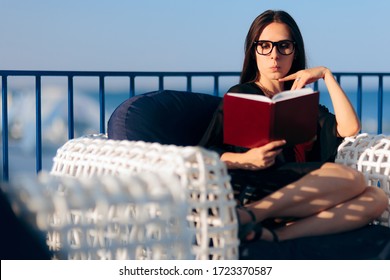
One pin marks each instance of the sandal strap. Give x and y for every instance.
(250, 212)
(253, 226)
(274, 235)
(245, 229)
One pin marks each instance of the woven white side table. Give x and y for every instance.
(369, 154)
(132, 217)
(203, 178)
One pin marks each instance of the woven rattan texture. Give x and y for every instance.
(134, 217)
(203, 178)
(369, 154)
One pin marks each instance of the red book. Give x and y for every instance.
(252, 120)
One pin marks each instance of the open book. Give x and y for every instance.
(252, 120)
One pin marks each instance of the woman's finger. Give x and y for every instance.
(289, 77)
(299, 83)
(275, 145)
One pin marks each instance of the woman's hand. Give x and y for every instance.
(348, 123)
(306, 76)
(255, 158)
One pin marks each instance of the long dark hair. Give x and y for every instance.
(250, 72)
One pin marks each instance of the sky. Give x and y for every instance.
(183, 35)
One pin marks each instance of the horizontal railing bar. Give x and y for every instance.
(151, 73)
(362, 73)
(111, 73)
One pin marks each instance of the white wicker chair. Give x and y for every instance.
(203, 178)
(369, 154)
(133, 217)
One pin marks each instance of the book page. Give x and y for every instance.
(284, 95)
(255, 97)
(289, 94)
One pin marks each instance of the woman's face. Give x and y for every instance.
(274, 65)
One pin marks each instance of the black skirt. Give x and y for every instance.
(250, 185)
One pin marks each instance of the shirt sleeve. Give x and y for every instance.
(325, 147)
(213, 137)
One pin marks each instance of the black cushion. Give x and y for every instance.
(367, 243)
(166, 117)
(18, 239)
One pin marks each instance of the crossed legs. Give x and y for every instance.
(331, 199)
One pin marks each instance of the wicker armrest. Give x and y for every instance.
(203, 178)
(369, 154)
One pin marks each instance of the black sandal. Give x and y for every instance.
(252, 226)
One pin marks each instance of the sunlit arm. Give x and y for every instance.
(348, 123)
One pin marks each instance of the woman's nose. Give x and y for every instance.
(274, 53)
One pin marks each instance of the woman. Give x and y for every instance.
(298, 182)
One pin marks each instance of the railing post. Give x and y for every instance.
(160, 82)
(315, 87)
(102, 104)
(380, 103)
(70, 108)
(359, 97)
(38, 136)
(189, 83)
(216, 85)
(338, 77)
(4, 100)
(132, 86)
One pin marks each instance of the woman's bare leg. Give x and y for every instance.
(352, 214)
(320, 189)
(326, 188)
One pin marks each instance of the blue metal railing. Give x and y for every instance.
(70, 75)
(359, 103)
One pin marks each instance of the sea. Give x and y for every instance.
(21, 119)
